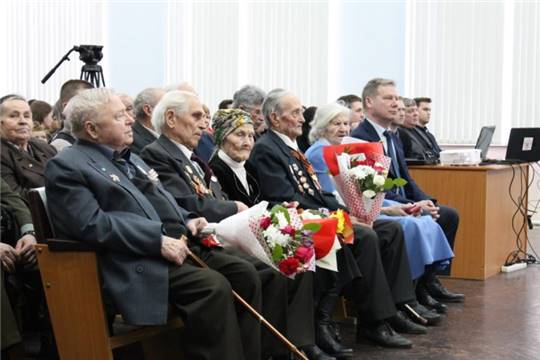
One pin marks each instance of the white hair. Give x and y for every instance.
(85, 106)
(272, 103)
(182, 86)
(322, 118)
(175, 100)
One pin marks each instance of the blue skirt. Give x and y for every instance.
(425, 241)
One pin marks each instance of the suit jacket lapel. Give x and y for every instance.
(143, 132)
(187, 169)
(145, 169)
(371, 132)
(294, 164)
(106, 168)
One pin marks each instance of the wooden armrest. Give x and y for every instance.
(69, 245)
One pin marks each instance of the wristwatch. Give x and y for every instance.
(29, 232)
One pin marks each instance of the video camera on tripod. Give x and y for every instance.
(91, 71)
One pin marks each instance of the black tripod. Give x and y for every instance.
(93, 74)
(91, 71)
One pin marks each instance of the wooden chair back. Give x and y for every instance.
(69, 272)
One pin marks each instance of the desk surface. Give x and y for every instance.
(466, 167)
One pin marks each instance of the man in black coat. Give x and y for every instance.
(424, 116)
(98, 193)
(412, 138)
(143, 105)
(380, 104)
(180, 118)
(286, 175)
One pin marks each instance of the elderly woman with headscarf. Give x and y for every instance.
(427, 247)
(23, 158)
(234, 135)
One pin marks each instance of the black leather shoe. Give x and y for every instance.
(430, 316)
(382, 334)
(424, 298)
(402, 324)
(324, 338)
(314, 353)
(439, 292)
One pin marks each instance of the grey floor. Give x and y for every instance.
(500, 320)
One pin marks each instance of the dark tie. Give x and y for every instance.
(395, 165)
(119, 158)
(207, 172)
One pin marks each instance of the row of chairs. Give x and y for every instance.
(70, 277)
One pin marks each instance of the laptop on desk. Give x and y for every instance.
(523, 145)
(484, 140)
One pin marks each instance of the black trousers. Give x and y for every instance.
(286, 303)
(386, 277)
(449, 222)
(245, 280)
(203, 299)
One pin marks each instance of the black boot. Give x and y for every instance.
(325, 331)
(424, 298)
(439, 292)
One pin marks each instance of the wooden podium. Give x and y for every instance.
(481, 196)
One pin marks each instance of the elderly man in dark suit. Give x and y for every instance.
(99, 193)
(380, 104)
(180, 118)
(286, 175)
(23, 158)
(143, 130)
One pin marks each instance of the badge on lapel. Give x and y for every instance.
(114, 178)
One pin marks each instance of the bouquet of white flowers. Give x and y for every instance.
(361, 175)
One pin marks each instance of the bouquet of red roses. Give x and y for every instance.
(360, 172)
(286, 239)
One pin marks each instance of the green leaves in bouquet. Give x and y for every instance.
(277, 253)
(279, 209)
(313, 227)
(391, 183)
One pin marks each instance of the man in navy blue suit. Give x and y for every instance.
(380, 106)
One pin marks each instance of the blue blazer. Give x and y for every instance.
(91, 200)
(366, 131)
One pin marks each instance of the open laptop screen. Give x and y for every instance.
(484, 140)
(524, 144)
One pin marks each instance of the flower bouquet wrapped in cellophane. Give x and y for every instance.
(277, 237)
(360, 172)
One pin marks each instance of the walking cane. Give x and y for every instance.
(259, 317)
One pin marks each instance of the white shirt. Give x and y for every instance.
(187, 153)
(287, 140)
(237, 167)
(380, 131)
